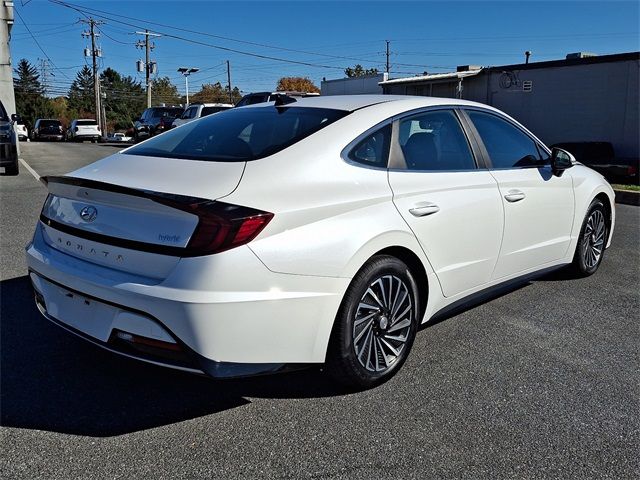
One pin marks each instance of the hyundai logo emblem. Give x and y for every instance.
(89, 214)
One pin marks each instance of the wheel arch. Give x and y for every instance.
(609, 208)
(417, 269)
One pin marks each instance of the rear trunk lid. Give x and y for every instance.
(133, 213)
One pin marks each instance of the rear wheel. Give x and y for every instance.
(376, 324)
(592, 240)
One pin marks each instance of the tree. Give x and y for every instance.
(29, 93)
(297, 84)
(359, 71)
(163, 91)
(124, 99)
(216, 93)
(81, 101)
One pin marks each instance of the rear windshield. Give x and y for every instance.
(239, 134)
(49, 123)
(166, 112)
(86, 122)
(209, 110)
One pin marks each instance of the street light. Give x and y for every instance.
(186, 71)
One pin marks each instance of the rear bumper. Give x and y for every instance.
(233, 316)
(86, 137)
(49, 136)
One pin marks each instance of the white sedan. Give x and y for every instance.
(309, 231)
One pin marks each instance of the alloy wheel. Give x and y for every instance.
(382, 323)
(593, 240)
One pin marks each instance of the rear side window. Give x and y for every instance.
(49, 123)
(209, 110)
(239, 135)
(166, 112)
(435, 141)
(507, 145)
(373, 150)
(189, 113)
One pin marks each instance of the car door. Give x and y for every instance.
(538, 205)
(451, 205)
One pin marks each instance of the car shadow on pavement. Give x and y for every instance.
(50, 380)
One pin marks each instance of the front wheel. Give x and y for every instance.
(376, 324)
(592, 240)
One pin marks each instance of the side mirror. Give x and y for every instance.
(560, 161)
(15, 117)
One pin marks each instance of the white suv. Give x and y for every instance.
(83, 129)
(197, 110)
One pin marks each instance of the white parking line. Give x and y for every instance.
(31, 170)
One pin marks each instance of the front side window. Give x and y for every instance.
(435, 141)
(507, 145)
(373, 150)
(239, 134)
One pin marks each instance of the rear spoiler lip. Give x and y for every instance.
(168, 199)
(206, 211)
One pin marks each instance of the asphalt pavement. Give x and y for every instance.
(540, 382)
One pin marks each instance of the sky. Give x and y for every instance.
(325, 37)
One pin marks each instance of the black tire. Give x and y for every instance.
(352, 331)
(586, 259)
(12, 170)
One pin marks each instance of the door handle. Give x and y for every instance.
(514, 195)
(423, 209)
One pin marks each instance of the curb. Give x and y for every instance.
(627, 197)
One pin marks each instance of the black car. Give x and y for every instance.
(47, 129)
(261, 97)
(8, 148)
(155, 120)
(601, 157)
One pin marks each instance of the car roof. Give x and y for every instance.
(356, 102)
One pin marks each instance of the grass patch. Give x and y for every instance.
(635, 188)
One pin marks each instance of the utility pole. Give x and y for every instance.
(95, 54)
(387, 65)
(149, 66)
(229, 82)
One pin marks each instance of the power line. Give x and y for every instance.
(221, 37)
(205, 44)
(36, 42)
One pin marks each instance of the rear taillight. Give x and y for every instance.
(632, 171)
(221, 226)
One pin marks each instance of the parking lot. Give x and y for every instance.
(542, 381)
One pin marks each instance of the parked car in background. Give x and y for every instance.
(118, 137)
(83, 129)
(154, 120)
(8, 142)
(326, 230)
(261, 97)
(198, 110)
(47, 129)
(601, 157)
(21, 130)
